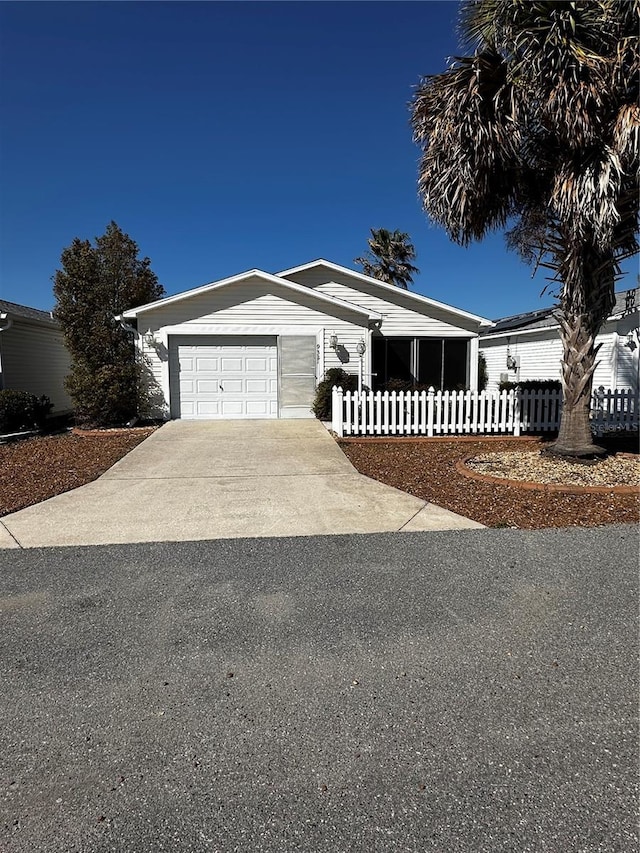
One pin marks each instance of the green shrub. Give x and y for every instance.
(533, 385)
(334, 376)
(483, 374)
(20, 410)
(104, 396)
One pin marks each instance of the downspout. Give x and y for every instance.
(132, 330)
(5, 323)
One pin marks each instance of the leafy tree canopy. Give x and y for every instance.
(96, 283)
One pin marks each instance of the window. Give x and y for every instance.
(437, 362)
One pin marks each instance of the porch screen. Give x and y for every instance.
(437, 362)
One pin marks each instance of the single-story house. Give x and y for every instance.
(528, 346)
(33, 356)
(255, 345)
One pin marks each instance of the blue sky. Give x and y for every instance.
(226, 136)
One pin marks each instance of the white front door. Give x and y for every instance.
(224, 377)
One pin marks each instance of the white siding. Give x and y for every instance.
(627, 367)
(605, 370)
(626, 364)
(540, 355)
(345, 355)
(251, 302)
(400, 313)
(252, 307)
(33, 358)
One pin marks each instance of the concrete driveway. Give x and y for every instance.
(194, 480)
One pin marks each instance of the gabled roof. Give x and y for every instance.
(254, 273)
(13, 310)
(424, 301)
(627, 301)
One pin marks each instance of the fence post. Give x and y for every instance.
(516, 411)
(336, 411)
(430, 407)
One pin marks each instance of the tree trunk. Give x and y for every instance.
(578, 365)
(586, 301)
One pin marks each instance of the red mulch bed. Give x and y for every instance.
(36, 469)
(427, 469)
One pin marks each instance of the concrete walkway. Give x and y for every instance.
(195, 480)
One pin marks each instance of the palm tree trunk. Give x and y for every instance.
(586, 301)
(578, 365)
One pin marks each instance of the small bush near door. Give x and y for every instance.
(21, 410)
(322, 402)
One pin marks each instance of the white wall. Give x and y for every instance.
(33, 358)
(540, 354)
(399, 313)
(252, 307)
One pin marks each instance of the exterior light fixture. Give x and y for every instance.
(630, 342)
(361, 347)
(149, 338)
(333, 341)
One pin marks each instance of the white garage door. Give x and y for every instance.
(225, 377)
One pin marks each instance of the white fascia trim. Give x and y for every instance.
(38, 322)
(222, 330)
(388, 287)
(514, 334)
(272, 279)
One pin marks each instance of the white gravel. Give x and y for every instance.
(618, 470)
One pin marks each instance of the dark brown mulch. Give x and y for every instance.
(36, 469)
(427, 469)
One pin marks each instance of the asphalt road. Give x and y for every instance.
(448, 691)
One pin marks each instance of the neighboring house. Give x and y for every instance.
(255, 345)
(528, 346)
(33, 356)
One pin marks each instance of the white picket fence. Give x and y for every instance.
(433, 413)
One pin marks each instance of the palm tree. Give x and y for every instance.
(538, 129)
(389, 258)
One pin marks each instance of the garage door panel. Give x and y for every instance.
(259, 408)
(257, 365)
(232, 408)
(258, 386)
(207, 364)
(206, 386)
(231, 377)
(208, 408)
